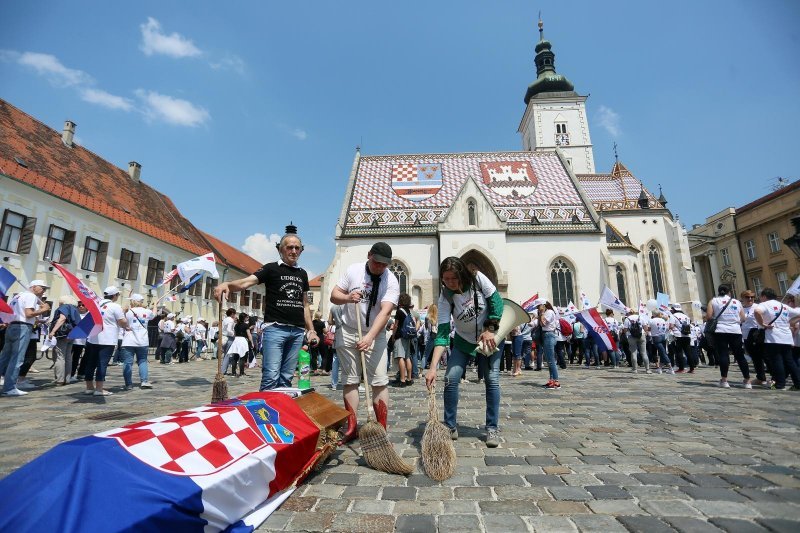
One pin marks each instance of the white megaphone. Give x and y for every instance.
(513, 316)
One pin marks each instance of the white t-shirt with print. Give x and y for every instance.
(658, 327)
(728, 321)
(21, 302)
(137, 336)
(111, 312)
(356, 277)
(779, 333)
(463, 309)
(676, 321)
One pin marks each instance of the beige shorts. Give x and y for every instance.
(350, 359)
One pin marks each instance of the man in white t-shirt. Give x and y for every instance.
(681, 327)
(26, 306)
(634, 327)
(135, 341)
(375, 290)
(100, 347)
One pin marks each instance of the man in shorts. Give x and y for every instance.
(376, 290)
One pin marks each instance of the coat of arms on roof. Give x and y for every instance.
(416, 181)
(510, 178)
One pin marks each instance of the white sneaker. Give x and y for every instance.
(747, 384)
(73, 379)
(25, 385)
(88, 391)
(103, 392)
(724, 384)
(648, 371)
(658, 370)
(672, 371)
(146, 385)
(15, 392)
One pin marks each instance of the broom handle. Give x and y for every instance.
(433, 411)
(363, 363)
(219, 338)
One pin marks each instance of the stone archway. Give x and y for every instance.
(474, 257)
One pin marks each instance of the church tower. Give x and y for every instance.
(555, 115)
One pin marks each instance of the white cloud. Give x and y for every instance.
(229, 62)
(172, 110)
(299, 134)
(609, 120)
(104, 99)
(154, 41)
(49, 66)
(262, 248)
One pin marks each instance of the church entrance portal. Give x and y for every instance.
(482, 263)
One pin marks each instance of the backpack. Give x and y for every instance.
(408, 330)
(565, 327)
(180, 333)
(686, 329)
(635, 330)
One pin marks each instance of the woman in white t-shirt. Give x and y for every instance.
(774, 317)
(657, 327)
(549, 324)
(727, 338)
(135, 341)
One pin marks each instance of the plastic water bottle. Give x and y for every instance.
(304, 368)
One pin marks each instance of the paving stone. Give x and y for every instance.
(503, 523)
(733, 525)
(644, 524)
(372, 506)
(324, 491)
(788, 511)
(608, 492)
(534, 460)
(458, 523)
(598, 523)
(415, 523)
(615, 507)
(783, 480)
(434, 493)
(711, 493)
(562, 507)
(473, 493)
(654, 492)
(570, 493)
(299, 503)
(311, 521)
(726, 509)
(362, 523)
(509, 507)
(542, 480)
(521, 493)
(421, 481)
(501, 480)
(669, 508)
(661, 479)
(547, 524)
(342, 479)
(748, 482)
(618, 479)
(460, 507)
(706, 480)
(418, 507)
(399, 493)
(335, 506)
(277, 521)
(358, 493)
(504, 461)
(780, 525)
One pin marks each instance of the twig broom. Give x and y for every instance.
(438, 452)
(378, 451)
(219, 393)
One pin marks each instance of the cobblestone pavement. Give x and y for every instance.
(608, 452)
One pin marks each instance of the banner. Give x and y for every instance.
(205, 263)
(663, 302)
(529, 304)
(610, 300)
(92, 323)
(597, 328)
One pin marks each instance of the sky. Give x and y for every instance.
(247, 114)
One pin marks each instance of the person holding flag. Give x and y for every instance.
(25, 307)
(135, 341)
(100, 345)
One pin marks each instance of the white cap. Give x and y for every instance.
(171, 315)
(39, 283)
(676, 307)
(111, 290)
(136, 297)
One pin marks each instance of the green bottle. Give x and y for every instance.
(304, 368)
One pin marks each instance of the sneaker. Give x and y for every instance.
(747, 384)
(691, 371)
(361, 388)
(724, 384)
(146, 385)
(649, 371)
(25, 385)
(453, 433)
(14, 392)
(679, 371)
(103, 392)
(547, 385)
(658, 370)
(492, 440)
(553, 385)
(464, 381)
(672, 371)
(128, 387)
(334, 387)
(73, 379)
(633, 371)
(88, 391)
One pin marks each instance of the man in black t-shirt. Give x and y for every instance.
(287, 318)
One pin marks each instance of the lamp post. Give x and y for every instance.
(793, 242)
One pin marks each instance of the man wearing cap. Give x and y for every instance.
(288, 313)
(26, 306)
(376, 290)
(135, 341)
(681, 326)
(168, 343)
(100, 347)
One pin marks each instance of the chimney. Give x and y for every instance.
(68, 133)
(135, 171)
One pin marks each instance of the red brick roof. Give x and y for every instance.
(768, 197)
(316, 282)
(81, 177)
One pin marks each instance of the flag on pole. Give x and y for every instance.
(197, 277)
(172, 298)
(7, 279)
(794, 289)
(204, 263)
(528, 305)
(663, 302)
(610, 300)
(585, 302)
(571, 309)
(597, 328)
(643, 309)
(92, 323)
(171, 274)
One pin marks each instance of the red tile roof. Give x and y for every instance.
(316, 282)
(618, 190)
(231, 256)
(768, 197)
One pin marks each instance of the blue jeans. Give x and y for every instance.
(456, 363)
(335, 371)
(526, 352)
(550, 353)
(517, 344)
(280, 349)
(18, 337)
(97, 358)
(199, 346)
(661, 348)
(127, 363)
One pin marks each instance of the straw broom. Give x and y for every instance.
(219, 393)
(378, 451)
(438, 452)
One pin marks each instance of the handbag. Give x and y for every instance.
(711, 325)
(759, 335)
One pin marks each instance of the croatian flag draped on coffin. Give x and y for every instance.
(223, 466)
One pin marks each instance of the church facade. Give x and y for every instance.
(539, 220)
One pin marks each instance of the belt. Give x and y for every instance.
(21, 322)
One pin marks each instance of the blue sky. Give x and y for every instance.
(247, 114)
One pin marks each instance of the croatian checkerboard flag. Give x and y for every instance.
(223, 466)
(7, 279)
(92, 323)
(597, 328)
(529, 305)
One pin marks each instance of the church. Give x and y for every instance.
(540, 220)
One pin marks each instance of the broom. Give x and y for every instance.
(438, 452)
(378, 451)
(219, 393)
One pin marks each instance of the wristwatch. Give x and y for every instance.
(490, 326)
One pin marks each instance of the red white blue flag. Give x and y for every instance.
(92, 323)
(167, 278)
(7, 279)
(597, 328)
(529, 305)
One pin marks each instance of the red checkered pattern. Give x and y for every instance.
(195, 442)
(404, 172)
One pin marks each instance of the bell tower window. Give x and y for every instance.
(562, 137)
(471, 215)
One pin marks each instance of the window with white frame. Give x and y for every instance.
(59, 244)
(400, 273)
(11, 231)
(471, 213)
(757, 285)
(750, 249)
(774, 242)
(561, 282)
(726, 257)
(94, 255)
(155, 271)
(783, 282)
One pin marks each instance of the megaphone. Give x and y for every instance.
(513, 316)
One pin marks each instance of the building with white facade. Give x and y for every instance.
(62, 203)
(537, 220)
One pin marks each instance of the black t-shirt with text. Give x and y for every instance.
(285, 287)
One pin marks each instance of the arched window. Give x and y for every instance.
(656, 273)
(622, 294)
(561, 281)
(400, 273)
(473, 217)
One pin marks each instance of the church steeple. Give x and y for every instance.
(547, 80)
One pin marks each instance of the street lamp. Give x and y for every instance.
(793, 242)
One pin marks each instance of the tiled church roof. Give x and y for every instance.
(519, 186)
(618, 190)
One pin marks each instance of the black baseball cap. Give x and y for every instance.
(381, 252)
